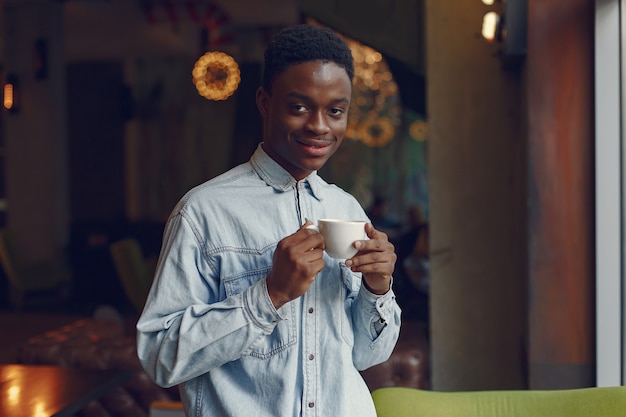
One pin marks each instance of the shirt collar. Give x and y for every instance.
(277, 177)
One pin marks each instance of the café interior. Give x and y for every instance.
(467, 143)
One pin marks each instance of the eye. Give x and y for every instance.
(336, 112)
(299, 108)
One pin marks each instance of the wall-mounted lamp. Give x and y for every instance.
(492, 27)
(11, 94)
(507, 25)
(492, 22)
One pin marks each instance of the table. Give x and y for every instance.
(52, 391)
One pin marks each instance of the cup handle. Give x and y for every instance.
(313, 227)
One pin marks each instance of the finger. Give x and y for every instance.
(312, 261)
(374, 256)
(309, 240)
(373, 233)
(370, 258)
(302, 233)
(375, 273)
(300, 242)
(314, 257)
(377, 240)
(375, 245)
(366, 265)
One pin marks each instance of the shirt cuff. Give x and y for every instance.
(378, 304)
(259, 306)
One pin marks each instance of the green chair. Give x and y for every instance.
(30, 281)
(583, 402)
(134, 270)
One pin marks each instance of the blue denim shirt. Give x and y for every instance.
(210, 326)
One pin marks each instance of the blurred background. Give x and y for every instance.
(110, 127)
(467, 143)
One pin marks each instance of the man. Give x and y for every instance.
(246, 313)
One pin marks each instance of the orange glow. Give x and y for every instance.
(216, 75)
(9, 99)
(19, 402)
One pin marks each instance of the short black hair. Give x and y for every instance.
(303, 43)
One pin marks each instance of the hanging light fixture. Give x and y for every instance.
(216, 75)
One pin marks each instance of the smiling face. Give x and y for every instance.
(305, 116)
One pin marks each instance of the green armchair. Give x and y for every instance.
(28, 281)
(583, 402)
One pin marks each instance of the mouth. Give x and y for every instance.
(316, 147)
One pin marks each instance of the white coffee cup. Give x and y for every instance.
(340, 235)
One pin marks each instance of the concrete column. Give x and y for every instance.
(477, 157)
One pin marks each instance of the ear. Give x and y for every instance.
(262, 101)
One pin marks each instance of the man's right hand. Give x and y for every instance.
(297, 260)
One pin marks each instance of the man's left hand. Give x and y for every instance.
(376, 260)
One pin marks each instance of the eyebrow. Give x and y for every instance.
(304, 97)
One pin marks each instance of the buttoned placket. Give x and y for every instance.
(309, 328)
(309, 353)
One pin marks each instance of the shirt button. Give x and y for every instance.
(310, 310)
(311, 404)
(311, 357)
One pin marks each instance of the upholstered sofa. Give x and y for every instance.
(105, 344)
(99, 344)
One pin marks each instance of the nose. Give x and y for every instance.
(317, 123)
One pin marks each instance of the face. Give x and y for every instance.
(305, 116)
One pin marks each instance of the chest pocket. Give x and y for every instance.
(284, 334)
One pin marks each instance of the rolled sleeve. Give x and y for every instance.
(377, 326)
(259, 307)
